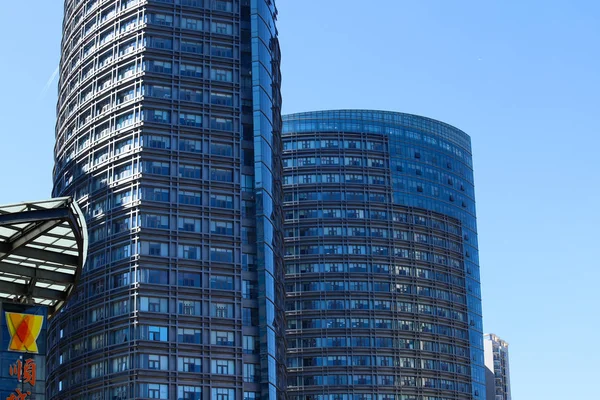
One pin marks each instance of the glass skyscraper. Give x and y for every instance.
(382, 276)
(168, 137)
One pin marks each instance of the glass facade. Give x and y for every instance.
(168, 137)
(382, 277)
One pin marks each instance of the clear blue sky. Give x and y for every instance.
(521, 77)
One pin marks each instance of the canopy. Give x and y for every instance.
(43, 246)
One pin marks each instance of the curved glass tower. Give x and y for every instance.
(168, 136)
(382, 275)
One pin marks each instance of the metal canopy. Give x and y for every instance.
(43, 246)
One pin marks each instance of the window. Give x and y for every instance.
(194, 146)
(249, 289)
(222, 201)
(220, 254)
(189, 224)
(154, 361)
(154, 391)
(155, 194)
(190, 95)
(221, 338)
(189, 279)
(189, 307)
(249, 316)
(190, 171)
(189, 364)
(222, 394)
(221, 310)
(195, 71)
(223, 124)
(189, 393)
(188, 252)
(221, 75)
(251, 396)
(251, 373)
(221, 28)
(191, 23)
(221, 282)
(192, 336)
(221, 149)
(223, 367)
(250, 344)
(221, 51)
(191, 47)
(221, 228)
(226, 6)
(154, 304)
(188, 197)
(221, 99)
(154, 333)
(120, 364)
(189, 119)
(221, 175)
(155, 249)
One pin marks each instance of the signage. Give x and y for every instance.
(22, 351)
(24, 330)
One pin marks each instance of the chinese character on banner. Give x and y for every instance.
(19, 395)
(25, 373)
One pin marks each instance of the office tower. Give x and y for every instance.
(168, 136)
(497, 371)
(382, 276)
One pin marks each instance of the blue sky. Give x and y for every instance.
(521, 77)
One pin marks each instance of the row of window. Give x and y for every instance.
(359, 213)
(184, 197)
(381, 361)
(349, 195)
(302, 179)
(251, 372)
(184, 224)
(376, 342)
(366, 304)
(188, 94)
(131, 23)
(375, 268)
(106, 14)
(379, 305)
(184, 279)
(354, 161)
(378, 323)
(372, 232)
(250, 344)
(188, 46)
(356, 143)
(375, 250)
(365, 396)
(189, 23)
(217, 74)
(161, 391)
(428, 133)
(122, 251)
(380, 380)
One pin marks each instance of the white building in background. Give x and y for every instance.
(497, 368)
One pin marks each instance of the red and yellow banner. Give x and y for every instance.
(24, 330)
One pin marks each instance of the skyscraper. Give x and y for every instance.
(382, 277)
(497, 369)
(168, 137)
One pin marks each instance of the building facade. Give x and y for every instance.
(168, 137)
(497, 370)
(382, 276)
